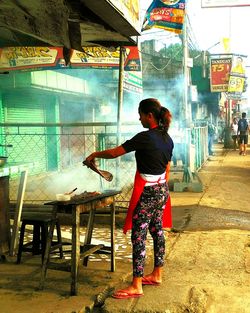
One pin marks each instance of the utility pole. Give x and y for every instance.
(120, 94)
(119, 110)
(186, 107)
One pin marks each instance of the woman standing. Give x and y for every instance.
(153, 151)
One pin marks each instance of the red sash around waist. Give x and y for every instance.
(139, 184)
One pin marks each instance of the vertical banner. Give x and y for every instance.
(220, 72)
(165, 14)
(237, 77)
(238, 65)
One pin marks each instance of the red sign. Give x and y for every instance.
(220, 72)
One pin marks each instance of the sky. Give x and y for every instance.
(209, 26)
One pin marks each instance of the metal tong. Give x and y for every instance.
(105, 174)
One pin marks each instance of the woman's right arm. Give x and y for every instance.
(106, 154)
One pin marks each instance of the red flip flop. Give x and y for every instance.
(121, 294)
(147, 281)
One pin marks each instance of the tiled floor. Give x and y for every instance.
(101, 235)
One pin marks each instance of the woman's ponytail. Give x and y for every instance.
(165, 118)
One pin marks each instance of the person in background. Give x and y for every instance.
(211, 133)
(243, 129)
(234, 132)
(150, 198)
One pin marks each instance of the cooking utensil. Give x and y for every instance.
(105, 174)
(69, 193)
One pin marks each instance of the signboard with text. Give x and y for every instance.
(24, 58)
(40, 58)
(220, 72)
(133, 82)
(101, 57)
(95, 57)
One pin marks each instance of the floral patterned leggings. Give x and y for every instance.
(148, 215)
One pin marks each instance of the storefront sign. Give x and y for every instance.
(95, 57)
(220, 72)
(133, 82)
(38, 58)
(21, 58)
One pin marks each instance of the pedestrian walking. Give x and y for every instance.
(211, 132)
(150, 199)
(243, 129)
(234, 132)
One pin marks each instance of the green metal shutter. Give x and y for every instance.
(29, 143)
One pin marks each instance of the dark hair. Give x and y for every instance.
(244, 114)
(160, 113)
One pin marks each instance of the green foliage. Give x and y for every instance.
(175, 52)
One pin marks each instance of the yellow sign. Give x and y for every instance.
(236, 84)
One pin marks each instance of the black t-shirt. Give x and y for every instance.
(153, 151)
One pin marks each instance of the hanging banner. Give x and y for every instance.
(238, 65)
(100, 57)
(219, 74)
(39, 58)
(236, 84)
(35, 58)
(95, 57)
(237, 77)
(165, 14)
(133, 59)
(224, 3)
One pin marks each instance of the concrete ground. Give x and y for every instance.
(207, 266)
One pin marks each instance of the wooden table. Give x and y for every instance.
(76, 208)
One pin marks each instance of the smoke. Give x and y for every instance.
(78, 176)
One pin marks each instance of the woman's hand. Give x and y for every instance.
(90, 159)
